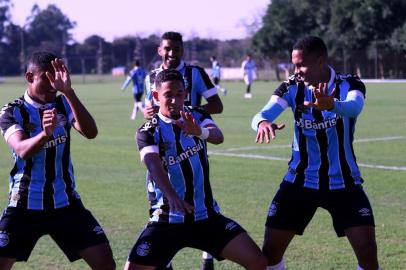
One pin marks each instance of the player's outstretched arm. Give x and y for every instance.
(157, 172)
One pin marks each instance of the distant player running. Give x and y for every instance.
(216, 74)
(137, 76)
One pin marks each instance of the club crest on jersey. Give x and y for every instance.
(4, 239)
(61, 120)
(143, 249)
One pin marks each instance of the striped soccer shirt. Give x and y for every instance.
(185, 159)
(197, 82)
(44, 181)
(322, 148)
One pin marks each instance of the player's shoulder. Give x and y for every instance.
(150, 125)
(11, 106)
(353, 80)
(292, 81)
(198, 111)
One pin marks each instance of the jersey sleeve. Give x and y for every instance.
(203, 84)
(202, 117)
(145, 139)
(8, 121)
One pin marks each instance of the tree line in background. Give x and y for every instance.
(363, 36)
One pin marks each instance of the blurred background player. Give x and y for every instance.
(198, 82)
(249, 70)
(216, 74)
(136, 76)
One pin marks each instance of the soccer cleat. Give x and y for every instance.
(224, 91)
(207, 264)
(248, 95)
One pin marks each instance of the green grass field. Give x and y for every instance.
(110, 176)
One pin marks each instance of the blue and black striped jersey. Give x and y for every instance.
(322, 148)
(198, 84)
(185, 159)
(44, 181)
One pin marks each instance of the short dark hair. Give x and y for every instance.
(168, 75)
(172, 36)
(311, 45)
(41, 60)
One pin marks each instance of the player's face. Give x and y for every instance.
(39, 87)
(307, 66)
(171, 52)
(171, 96)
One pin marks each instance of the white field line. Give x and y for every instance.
(226, 152)
(263, 146)
(372, 166)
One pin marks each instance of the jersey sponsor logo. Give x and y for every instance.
(148, 125)
(231, 225)
(143, 249)
(188, 153)
(4, 239)
(364, 212)
(310, 124)
(272, 210)
(98, 230)
(57, 141)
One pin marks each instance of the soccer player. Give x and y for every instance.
(216, 74)
(323, 171)
(183, 212)
(42, 198)
(198, 82)
(249, 70)
(137, 76)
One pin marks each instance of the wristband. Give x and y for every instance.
(205, 134)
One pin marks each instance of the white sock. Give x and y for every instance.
(206, 256)
(360, 268)
(140, 106)
(279, 266)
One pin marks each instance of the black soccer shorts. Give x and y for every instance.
(73, 228)
(293, 207)
(159, 242)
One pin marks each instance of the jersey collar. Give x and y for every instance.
(178, 68)
(167, 119)
(37, 105)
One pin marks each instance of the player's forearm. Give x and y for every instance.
(158, 174)
(215, 135)
(213, 105)
(84, 121)
(351, 107)
(269, 113)
(27, 148)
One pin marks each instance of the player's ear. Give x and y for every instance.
(155, 95)
(29, 76)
